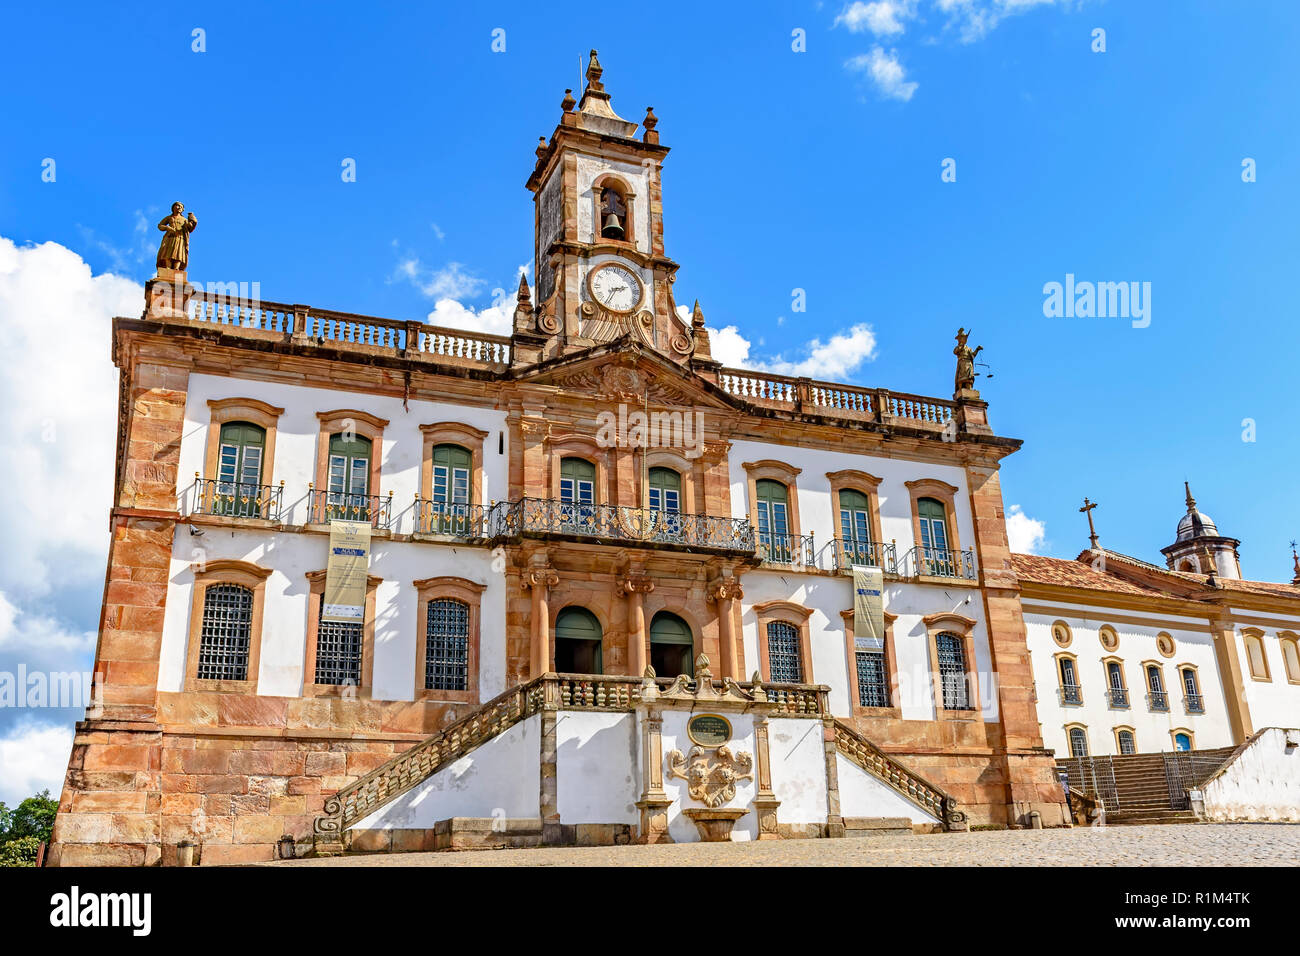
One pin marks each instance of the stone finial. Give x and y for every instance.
(697, 315)
(594, 70)
(1295, 559)
(756, 691)
(568, 103)
(1191, 502)
(649, 686)
(651, 135)
(1211, 578)
(524, 296)
(541, 146)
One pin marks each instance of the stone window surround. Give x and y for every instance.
(1113, 645)
(692, 502)
(1105, 673)
(603, 618)
(1182, 683)
(1175, 731)
(850, 479)
(453, 433)
(224, 410)
(1284, 638)
(946, 495)
(627, 194)
(1116, 731)
(891, 670)
(963, 627)
(316, 588)
(770, 468)
(469, 593)
(1173, 645)
(1078, 678)
(1249, 634)
(212, 573)
(571, 445)
(363, 424)
(1146, 676)
(770, 612)
(1077, 726)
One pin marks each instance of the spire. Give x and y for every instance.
(1198, 526)
(1295, 559)
(1191, 502)
(594, 110)
(524, 296)
(697, 315)
(594, 70)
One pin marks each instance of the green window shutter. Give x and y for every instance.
(577, 481)
(451, 474)
(665, 490)
(670, 629)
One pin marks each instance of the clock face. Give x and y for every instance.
(616, 287)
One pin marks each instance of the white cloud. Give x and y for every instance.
(35, 758)
(1025, 534)
(448, 282)
(976, 19)
(886, 72)
(881, 17)
(833, 360)
(59, 393)
(24, 631)
(495, 319)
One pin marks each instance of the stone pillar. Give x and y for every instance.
(540, 580)
(654, 801)
(636, 586)
(723, 592)
(834, 816)
(765, 801)
(549, 797)
(1234, 681)
(1030, 770)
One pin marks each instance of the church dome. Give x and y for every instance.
(1188, 527)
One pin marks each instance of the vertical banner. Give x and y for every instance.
(868, 608)
(345, 574)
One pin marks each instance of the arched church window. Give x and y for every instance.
(577, 642)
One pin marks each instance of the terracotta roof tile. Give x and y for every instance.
(1044, 570)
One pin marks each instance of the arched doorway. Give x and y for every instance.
(577, 642)
(672, 646)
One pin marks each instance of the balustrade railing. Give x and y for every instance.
(1117, 697)
(1158, 701)
(874, 554)
(835, 400)
(326, 506)
(939, 563)
(911, 785)
(530, 516)
(346, 329)
(1194, 704)
(455, 519)
(237, 499)
(797, 550)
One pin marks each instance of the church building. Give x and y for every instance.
(379, 585)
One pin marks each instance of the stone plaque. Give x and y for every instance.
(708, 730)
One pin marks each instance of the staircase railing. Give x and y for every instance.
(908, 783)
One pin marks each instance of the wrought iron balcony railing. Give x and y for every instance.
(792, 549)
(1158, 701)
(237, 499)
(326, 506)
(1118, 698)
(533, 516)
(938, 562)
(1194, 704)
(873, 554)
(458, 520)
(1071, 694)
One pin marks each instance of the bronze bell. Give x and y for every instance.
(613, 228)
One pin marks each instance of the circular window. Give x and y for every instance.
(1165, 644)
(1109, 639)
(1061, 634)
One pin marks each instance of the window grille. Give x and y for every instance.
(873, 684)
(783, 653)
(952, 672)
(338, 651)
(1078, 743)
(226, 632)
(446, 655)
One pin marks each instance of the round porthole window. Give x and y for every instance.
(1165, 644)
(1109, 639)
(1061, 634)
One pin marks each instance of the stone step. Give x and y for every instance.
(876, 826)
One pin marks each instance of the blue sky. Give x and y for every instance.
(816, 170)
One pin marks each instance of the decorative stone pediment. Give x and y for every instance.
(711, 775)
(629, 373)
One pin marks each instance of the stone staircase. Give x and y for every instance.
(554, 692)
(1146, 788)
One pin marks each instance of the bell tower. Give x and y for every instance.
(602, 273)
(1199, 548)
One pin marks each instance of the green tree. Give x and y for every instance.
(34, 817)
(20, 852)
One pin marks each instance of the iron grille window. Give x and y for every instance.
(952, 672)
(226, 632)
(1078, 743)
(873, 686)
(338, 651)
(783, 653)
(1127, 745)
(446, 649)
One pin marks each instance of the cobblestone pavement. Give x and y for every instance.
(1242, 844)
